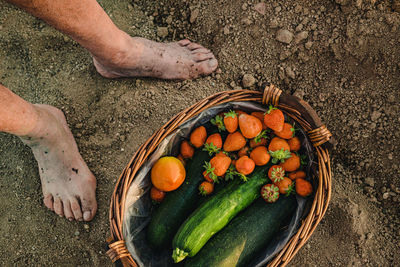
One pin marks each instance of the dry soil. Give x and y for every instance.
(342, 56)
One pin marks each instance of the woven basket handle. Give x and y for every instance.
(318, 133)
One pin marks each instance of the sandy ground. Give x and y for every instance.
(344, 59)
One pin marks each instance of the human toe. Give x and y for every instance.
(48, 201)
(67, 210)
(184, 42)
(89, 208)
(206, 67)
(76, 209)
(202, 56)
(58, 207)
(194, 46)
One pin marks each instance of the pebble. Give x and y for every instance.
(77, 233)
(273, 24)
(146, 114)
(193, 15)
(369, 181)
(162, 32)
(284, 55)
(260, 8)
(385, 195)
(284, 36)
(78, 125)
(169, 20)
(308, 45)
(86, 226)
(375, 115)
(278, 9)
(301, 36)
(248, 80)
(226, 30)
(299, 93)
(244, 6)
(298, 9)
(290, 73)
(299, 27)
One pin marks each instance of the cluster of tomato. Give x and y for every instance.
(247, 145)
(253, 140)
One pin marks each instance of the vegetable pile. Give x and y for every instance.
(229, 163)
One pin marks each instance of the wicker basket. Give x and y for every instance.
(292, 106)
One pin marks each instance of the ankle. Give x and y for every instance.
(121, 50)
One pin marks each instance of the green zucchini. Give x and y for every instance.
(177, 204)
(214, 214)
(245, 236)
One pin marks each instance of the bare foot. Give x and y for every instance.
(67, 183)
(144, 58)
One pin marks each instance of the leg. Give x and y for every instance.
(115, 53)
(67, 183)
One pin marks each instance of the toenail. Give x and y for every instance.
(70, 219)
(213, 63)
(87, 215)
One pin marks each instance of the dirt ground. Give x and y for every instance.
(344, 59)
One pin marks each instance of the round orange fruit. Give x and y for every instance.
(167, 174)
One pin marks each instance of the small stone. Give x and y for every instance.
(301, 36)
(299, 93)
(79, 125)
(375, 115)
(284, 55)
(122, 138)
(248, 80)
(298, 9)
(284, 36)
(260, 8)
(162, 32)
(247, 21)
(313, 26)
(308, 45)
(299, 27)
(169, 20)
(146, 114)
(86, 226)
(290, 73)
(342, 2)
(369, 181)
(244, 6)
(278, 9)
(226, 30)
(385, 195)
(76, 233)
(193, 15)
(273, 24)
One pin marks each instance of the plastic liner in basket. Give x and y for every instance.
(138, 204)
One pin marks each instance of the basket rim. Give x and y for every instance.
(296, 108)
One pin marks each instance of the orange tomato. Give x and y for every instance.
(234, 142)
(250, 126)
(260, 116)
(245, 165)
(167, 174)
(294, 144)
(291, 164)
(187, 150)
(157, 195)
(260, 155)
(198, 136)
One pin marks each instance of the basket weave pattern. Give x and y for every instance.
(295, 108)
